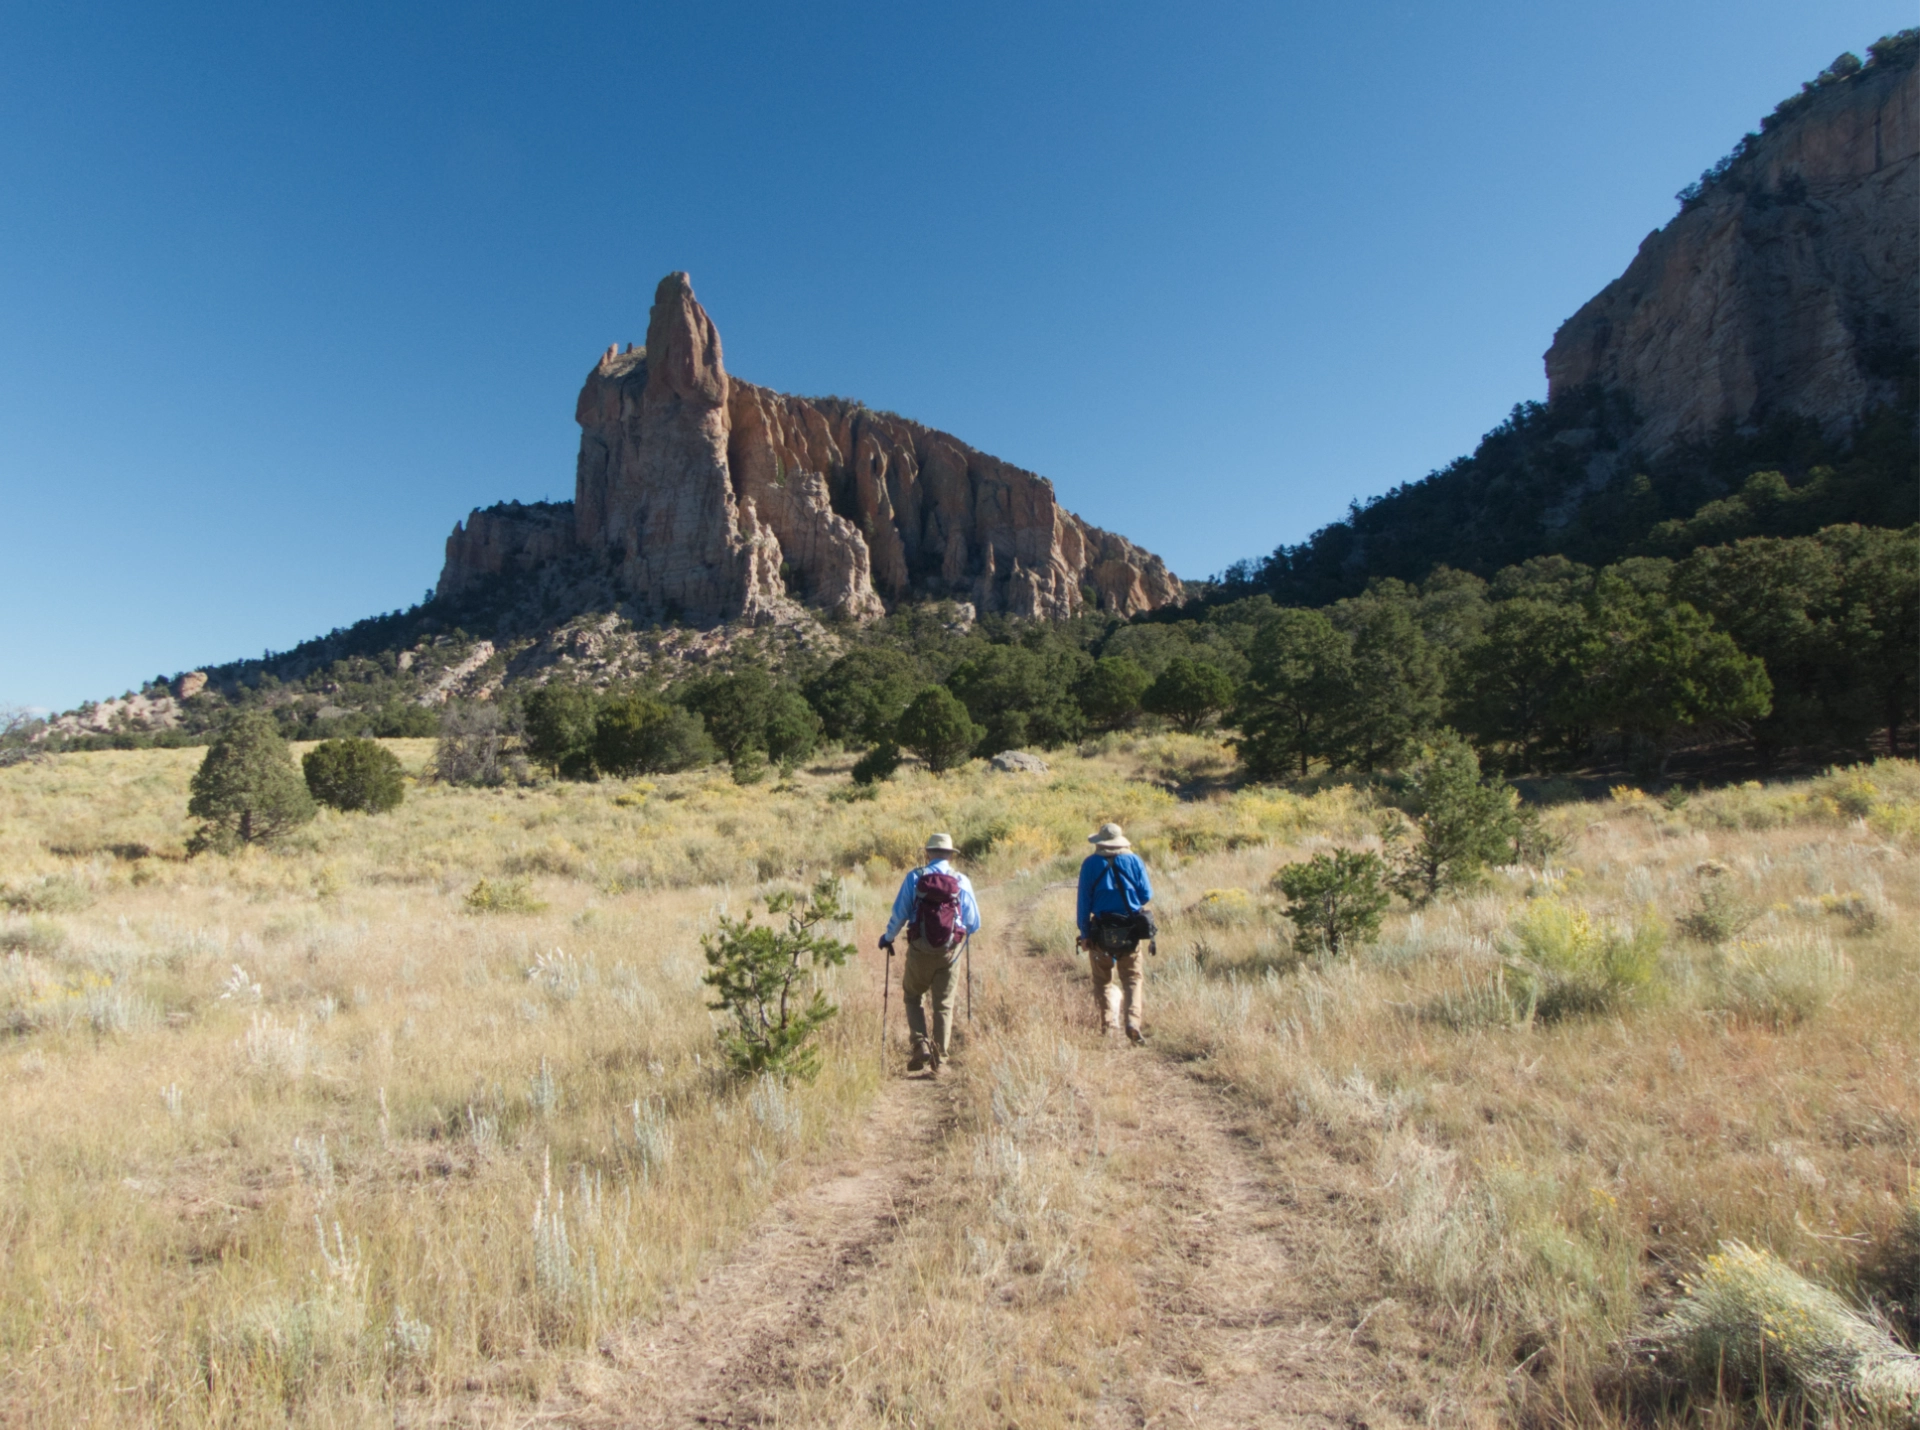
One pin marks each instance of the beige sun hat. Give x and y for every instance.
(1109, 839)
(940, 844)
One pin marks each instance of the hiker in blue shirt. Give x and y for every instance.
(936, 907)
(1113, 919)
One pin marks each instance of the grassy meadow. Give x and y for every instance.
(415, 1109)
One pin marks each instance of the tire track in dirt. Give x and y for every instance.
(730, 1345)
(1260, 1296)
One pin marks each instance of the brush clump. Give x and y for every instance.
(1747, 1321)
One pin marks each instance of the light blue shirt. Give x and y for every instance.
(903, 901)
(1112, 886)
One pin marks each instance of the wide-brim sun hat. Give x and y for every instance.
(940, 844)
(1109, 839)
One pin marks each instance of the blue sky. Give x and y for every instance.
(288, 289)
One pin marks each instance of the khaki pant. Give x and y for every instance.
(1116, 985)
(929, 975)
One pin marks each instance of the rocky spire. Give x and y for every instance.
(716, 500)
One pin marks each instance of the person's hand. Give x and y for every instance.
(887, 944)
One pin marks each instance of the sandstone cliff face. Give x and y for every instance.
(504, 539)
(717, 500)
(1789, 285)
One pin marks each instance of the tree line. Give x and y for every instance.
(1774, 642)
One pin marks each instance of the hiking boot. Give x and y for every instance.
(918, 1060)
(1136, 1037)
(934, 1063)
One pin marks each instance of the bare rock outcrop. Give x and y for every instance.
(717, 500)
(1787, 284)
(512, 537)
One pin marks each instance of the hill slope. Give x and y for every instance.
(1770, 326)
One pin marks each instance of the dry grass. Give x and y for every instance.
(1551, 1182)
(301, 1136)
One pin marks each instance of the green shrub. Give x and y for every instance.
(877, 764)
(354, 774)
(767, 979)
(1564, 964)
(246, 790)
(503, 896)
(1749, 1322)
(635, 735)
(1720, 912)
(1335, 900)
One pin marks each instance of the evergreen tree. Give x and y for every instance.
(1292, 705)
(792, 727)
(1659, 672)
(1519, 684)
(1191, 693)
(735, 709)
(1464, 823)
(559, 729)
(1336, 899)
(1780, 600)
(1396, 680)
(861, 694)
(1880, 589)
(635, 734)
(937, 728)
(1020, 695)
(1110, 692)
(246, 790)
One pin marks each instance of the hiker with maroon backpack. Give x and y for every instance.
(937, 909)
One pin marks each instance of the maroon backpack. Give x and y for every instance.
(936, 910)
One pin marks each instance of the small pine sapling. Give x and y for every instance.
(767, 978)
(1464, 824)
(1336, 899)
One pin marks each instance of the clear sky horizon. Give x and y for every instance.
(290, 289)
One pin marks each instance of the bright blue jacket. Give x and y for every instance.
(1112, 886)
(903, 901)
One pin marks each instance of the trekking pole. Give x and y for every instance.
(886, 1001)
(969, 952)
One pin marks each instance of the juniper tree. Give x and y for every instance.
(246, 790)
(937, 728)
(354, 774)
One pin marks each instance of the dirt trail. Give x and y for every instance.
(1257, 1283)
(736, 1340)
